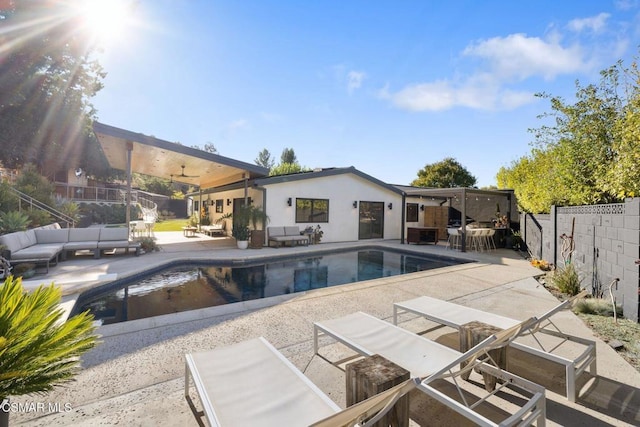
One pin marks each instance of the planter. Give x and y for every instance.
(257, 239)
(242, 244)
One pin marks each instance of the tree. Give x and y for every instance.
(288, 156)
(47, 76)
(286, 168)
(210, 148)
(589, 153)
(264, 159)
(447, 173)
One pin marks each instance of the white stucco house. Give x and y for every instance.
(346, 203)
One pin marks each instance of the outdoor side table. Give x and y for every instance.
(472, 334)
(375, 374)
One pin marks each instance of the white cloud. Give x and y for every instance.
(443, 95)
(519, 57)
(354, 80)
(595, 23)
(502, 61)
(238, 124)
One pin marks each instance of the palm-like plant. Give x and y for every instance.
(37, 350)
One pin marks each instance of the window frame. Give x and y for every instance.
(311, 214)
(409, 211)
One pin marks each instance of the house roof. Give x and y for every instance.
(164, 159)
(319, 173)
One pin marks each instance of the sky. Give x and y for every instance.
(385, 86)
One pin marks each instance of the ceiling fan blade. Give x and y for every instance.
(187, 176)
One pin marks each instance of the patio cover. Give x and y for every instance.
(460, 193)
(164, 159)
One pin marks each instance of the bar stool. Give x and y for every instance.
(453, 242)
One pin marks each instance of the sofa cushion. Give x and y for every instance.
(112, 234)
(27, 238)
(78, 246)
(42, 252)
(291, 231)
(84, 235)
(12, 241)
(52, 235)
(275, 231)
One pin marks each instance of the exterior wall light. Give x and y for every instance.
(390, 206)
(422, 207)
(289, 201)
(228, 202)
(355, 204)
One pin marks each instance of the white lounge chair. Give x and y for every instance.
(252, 384)
(427, 359)
(455, 315)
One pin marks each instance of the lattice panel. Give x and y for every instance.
(610, 209)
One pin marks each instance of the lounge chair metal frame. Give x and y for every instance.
(258, 397)
(402, 345)
(455, 315)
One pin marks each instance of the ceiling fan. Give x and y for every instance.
(182, 174)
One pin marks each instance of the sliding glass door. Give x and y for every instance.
(371, 220)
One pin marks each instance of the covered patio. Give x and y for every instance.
(474, 205)
(135, 152)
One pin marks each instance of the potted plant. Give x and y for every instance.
(257, 216)
(240, 227)
(39, 350)
(241, 233)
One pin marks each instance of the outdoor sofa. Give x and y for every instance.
(282, 235)
(46, 245)
(212, 229)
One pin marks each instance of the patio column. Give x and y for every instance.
(463, 214)
(128, 209)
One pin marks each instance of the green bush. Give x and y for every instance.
(567, 280)
(13, 221)
(148, 244)
(39, 350)
(38, 218)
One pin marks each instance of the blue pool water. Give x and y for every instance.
(183, 287)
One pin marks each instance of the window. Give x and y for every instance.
(312, 210)
(219, 206)
(412, 212)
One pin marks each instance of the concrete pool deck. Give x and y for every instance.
(136, 375)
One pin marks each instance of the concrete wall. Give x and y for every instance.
(606, 245)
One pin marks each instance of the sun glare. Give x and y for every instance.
(106, 20)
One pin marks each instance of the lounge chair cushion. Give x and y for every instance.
(251, 384)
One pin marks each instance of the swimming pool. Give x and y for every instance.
(177, 288)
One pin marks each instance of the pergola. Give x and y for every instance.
(460, 193)
(136, 152)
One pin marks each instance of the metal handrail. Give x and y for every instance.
(23, 197)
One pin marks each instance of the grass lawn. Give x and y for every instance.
(170, 224)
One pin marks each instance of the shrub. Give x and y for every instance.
(39, 350)
(567, 280)
(13, 221)
(38, 218)
(148, 244)
(598, 306)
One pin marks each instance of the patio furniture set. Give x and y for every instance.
(282, 395)
(51, 244)
(476, 239)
